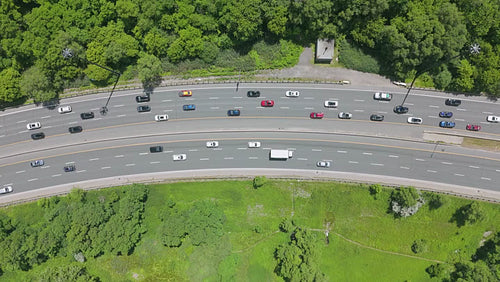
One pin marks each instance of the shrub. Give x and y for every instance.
(419, 246)
(375, 189)
(354, 58)
(286, 225)
(259, 181)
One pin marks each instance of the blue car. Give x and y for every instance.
(447, 124)
(190, 107)
(233, 113)
(445, 114)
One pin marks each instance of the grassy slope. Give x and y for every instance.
(243, 255)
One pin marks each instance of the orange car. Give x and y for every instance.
(185, 93)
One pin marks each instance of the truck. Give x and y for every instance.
(280, 154)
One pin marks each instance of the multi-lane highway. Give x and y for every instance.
(118, 143)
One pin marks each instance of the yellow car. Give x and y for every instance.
(185, 93)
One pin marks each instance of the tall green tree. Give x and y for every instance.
(9, 85)
(149, 67)
(36, 85)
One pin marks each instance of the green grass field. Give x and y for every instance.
(366, 242)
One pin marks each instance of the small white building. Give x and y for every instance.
(324, 50)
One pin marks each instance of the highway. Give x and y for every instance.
(118, 143)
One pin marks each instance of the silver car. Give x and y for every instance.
(37, 163)
(212, 144)
(345, 115)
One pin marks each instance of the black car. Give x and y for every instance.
(156, 149)
(233, 113)
(400, 109)
(141, 109)
(141, 99)
(453, 102)
(376, 117)
(37, 136)
(88, 115)
(69, 168)
(252, 93)
(75, 129)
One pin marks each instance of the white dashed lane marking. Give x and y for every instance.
(393, 156)
(45, 117)
(229, 158)
(56, 175)
(94, 159)
(353, 162)
(342, 152)
(154, 162)
(473, 166)
(302, 159)
(83, 170)
(119, 156)
(21, 171)
(144, 153)
(253, 158)
(130, 165)
(458, 174)
(204, 159)
(118, 106)
(367, 153)
(21, 121)
(105, 167)
(404, 167)
(485, 178)
(447, 163)
(316, 150)
(33, 179)
(432, 171)
(375, 164)
(359, 100)
(420, 160)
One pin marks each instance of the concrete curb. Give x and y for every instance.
(249, 173)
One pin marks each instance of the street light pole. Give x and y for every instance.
(474, 49)
(68, 53)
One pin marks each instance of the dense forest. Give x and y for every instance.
(145, 39)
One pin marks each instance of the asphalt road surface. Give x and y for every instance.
(117, 144)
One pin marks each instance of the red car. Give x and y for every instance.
(317, 115)
(267, 103)
(473, 127)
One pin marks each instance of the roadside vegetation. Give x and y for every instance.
(148, 39)
(261, 230)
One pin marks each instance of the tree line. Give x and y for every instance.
(148, 38)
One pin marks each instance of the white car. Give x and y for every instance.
(253, 144)
(415, 120)
(179, 157)
(323, 164)
(5, 189)
(290, 93)
(212, 144)
(161, 117)
(331, 104)
(399, 83)
(382, 96)
(344, 115)
(33, 125)
(64, 109)
(493, 119)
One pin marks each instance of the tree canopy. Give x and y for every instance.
(405, 37)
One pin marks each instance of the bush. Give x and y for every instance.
(375, 189)
(469, 214)
(286, 225)
(419, 246)
(259, 181)
(354, 58)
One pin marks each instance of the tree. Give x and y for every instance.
(242, 20)
(468, 271)
(68, 272)
(149, 67)
(9, 85)
(189, 44)
(157, 42)
(205, 222)
(405, 201)
(375, 190)
(473, 212)
(465, 78)
(35, 84)
(297, 259)
(490, 254)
